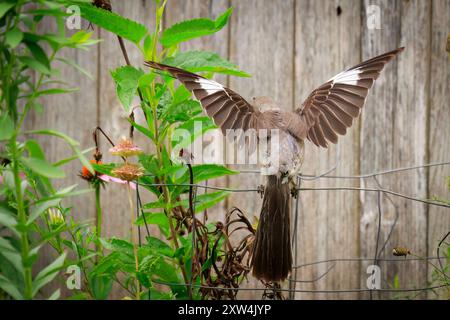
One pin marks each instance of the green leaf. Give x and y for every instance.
(159, 246)
(204, 172)
(5, 6)
(159, 219)
(43, 168)
(48, 273)
(13, 37)
(114, 23)
(72, 143)
(118, 245)
(101, 286)
(11, 254)
(7, 218)
(55, 295)
(76, 66)
(191, 29)
(10, 288)
(41, 208)
(182, 111)
(127, 82)
(34, 64)
(198, 61)
(205, 201)
(52, 91)
(187, 132)
(7, 126)
(38, 53)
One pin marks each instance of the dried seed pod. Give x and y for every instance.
(400, 251)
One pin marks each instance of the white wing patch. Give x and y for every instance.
(349, 77)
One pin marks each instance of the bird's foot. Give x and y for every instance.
(260, 190)
(294, 189)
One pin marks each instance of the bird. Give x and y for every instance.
(327, 112)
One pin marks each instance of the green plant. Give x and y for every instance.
(189, 248)
(31, 213)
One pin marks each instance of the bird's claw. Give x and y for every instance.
(260, 190)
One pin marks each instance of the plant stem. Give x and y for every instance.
(98, 221)
(134, 240)
(25, 247)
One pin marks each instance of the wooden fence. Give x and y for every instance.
(290, 47)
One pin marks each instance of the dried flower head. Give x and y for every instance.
(125, 148)
(55, 217)
(400, 251)
(128, 172)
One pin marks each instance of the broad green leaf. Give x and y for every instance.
(13, 37)
(127, 81)
(48, 273)
(182, 111)
(114, 23)
(191, 29)
(205, 201)
(10, 288)
(159, 219)
(119, 245)
(5, 6)
(101, 286)
(159, 246)
(34, 149)
(41, 208)
(187, 132)
(42, 167)
(204, 172)
(198, 61)
(34, 64)
(7, 127)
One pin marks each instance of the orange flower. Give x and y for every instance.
(86, 174)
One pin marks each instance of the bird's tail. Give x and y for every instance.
(272, 256)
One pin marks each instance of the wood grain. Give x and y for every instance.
(439, 129)
(262, 44)
(327, 42)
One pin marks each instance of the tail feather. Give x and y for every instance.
(272, 255)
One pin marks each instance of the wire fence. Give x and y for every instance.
(379, 248)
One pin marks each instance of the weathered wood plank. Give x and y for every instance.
(394, 135)
(327, 42)
(439, 129)
(262, 44)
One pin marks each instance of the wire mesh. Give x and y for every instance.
(293, 279)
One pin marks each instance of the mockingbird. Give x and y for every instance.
(326, 113)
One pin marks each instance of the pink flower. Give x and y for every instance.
(107, 178)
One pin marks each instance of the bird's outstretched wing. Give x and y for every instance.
(330, 109)
(227, 108)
